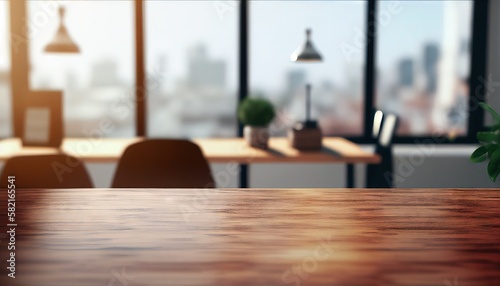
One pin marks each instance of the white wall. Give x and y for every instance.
(442, 167)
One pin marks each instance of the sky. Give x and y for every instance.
(418, 23)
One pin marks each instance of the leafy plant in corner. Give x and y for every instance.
(256, 112)
(490, 145)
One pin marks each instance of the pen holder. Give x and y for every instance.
(306, 136)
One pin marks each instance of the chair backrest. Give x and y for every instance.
(163, 163)
(58, 171)
(382, 175)
(377, 123)
(389, 125)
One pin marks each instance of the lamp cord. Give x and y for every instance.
(308, 102)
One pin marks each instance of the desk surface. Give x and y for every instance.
(255, 237)
(222, 150)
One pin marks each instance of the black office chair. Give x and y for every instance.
(59, 171)
(163, 163)
(382, 175)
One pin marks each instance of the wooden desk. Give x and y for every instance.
(336, 150)
(254, 237)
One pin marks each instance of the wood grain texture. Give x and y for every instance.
(255, 237)
(336, 150)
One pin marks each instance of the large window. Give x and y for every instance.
(98, 83)
(423, 66)
(420, 56)
(5, 93)
(277, 28)
(191, 64)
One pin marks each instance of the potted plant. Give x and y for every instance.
(256, 114)
(490, 145)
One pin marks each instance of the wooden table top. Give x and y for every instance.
(255, 237)
(335, 150)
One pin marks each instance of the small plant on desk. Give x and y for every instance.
(490, 145)
(256, 114)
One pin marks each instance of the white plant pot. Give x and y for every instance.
(257, 137)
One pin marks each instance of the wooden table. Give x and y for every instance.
(254, 237)
(224, 150)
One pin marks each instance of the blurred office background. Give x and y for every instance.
(423, 55)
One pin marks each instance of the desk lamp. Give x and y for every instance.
(306, 135)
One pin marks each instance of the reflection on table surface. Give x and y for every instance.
(255, 237)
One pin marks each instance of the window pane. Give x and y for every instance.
(191, 49)
(423, 57)
(5, 96)
(98, 83)
(277, 28)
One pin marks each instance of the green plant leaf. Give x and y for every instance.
(494, 127)
(491, 148)
(493, 113)
(479, 155)
(494, 166)
(256, 112)
(487, 137)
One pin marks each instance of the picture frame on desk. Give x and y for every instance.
(42, 119)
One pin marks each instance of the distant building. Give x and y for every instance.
(71, 81)
(463, 61)
(157, 77)
(295, 79)
(105, 73)
(431, 58)
(162, 64)
(465, 46)
(406, 72)
(204, 72)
